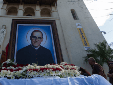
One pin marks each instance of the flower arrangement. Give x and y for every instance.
(13, 70)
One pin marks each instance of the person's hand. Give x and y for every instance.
(81, 68)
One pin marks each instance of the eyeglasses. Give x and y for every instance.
(34, 37)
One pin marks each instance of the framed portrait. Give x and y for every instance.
(34, 41)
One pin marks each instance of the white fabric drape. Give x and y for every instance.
(82, 80)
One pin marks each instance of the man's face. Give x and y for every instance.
(36, 39)
(90, 62)
(111, 65)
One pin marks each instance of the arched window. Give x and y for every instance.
(45, 12)
(74, 14)
(29, 12)
(12, 11)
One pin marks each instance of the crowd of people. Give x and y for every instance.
(98, 69)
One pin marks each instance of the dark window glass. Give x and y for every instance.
(74, 14)
(29, 15)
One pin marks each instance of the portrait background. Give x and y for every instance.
(23, 37)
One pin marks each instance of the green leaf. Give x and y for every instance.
(102, 53)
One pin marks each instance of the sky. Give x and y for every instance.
(102, 13)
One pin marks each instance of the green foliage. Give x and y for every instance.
(102, 53)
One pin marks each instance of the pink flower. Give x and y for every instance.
(72, 65)
(21, 65)
(17, 65)
(5, 69)
(14, 65)
(73, 69)
(11, 70)
(36, 70)
(42, 69)
(53, 69)
(4, 65)
(61, 67)
(29, 69)
(17, 69)
(58, 69)
(66, 64)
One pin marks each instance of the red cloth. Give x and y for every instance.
(7, 50)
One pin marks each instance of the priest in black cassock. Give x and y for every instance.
(34, 53)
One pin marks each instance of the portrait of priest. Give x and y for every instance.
(34, 53)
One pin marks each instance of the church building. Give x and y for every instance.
(66, 26)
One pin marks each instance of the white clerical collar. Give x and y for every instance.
(34, 47)
(37, 47)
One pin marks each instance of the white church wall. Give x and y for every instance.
(73, 41)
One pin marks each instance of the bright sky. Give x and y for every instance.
(100, 11)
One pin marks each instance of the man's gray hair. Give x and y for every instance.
(92, 59)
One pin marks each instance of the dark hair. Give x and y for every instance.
(36, 31)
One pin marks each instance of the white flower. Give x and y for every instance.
(71, 74)
(51, 73)
(20, 71)
(8, 72)
(3, 72)
(53, 66)
(42, 73)
(47, 70)
(63, 63)
(9, 75)
(37, 67)
(12, 67)
(3, 67)
(66, 72)
(2, 75)
(57, 72)
(8, 60)
(46, 66)
(24, 68)
(27, 67)
(12, 73)
(12, 77)
(17, 73)
(49, 66)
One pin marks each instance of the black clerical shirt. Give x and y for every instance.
(29, 55)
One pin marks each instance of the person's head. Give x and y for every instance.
(110, 64)
(91, 61)
(36, 38)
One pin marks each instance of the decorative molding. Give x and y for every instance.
(38, 2)
(30, 17)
